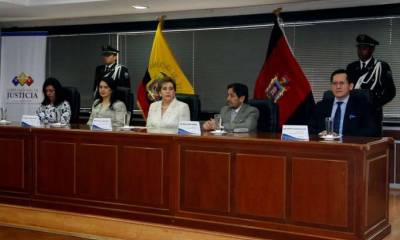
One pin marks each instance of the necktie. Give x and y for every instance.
(337, 117)
(363, 65)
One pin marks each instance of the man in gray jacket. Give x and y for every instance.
(238, 116)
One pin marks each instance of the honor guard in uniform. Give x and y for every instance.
(111, 68)
(372, 74)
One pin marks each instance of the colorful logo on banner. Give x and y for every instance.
(22, 79)
(22, 95)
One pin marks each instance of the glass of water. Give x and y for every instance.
(3, 113)
(329, 126)
(218, 122)
(127, 119)
(58, 116)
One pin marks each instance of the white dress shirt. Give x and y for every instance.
(366, 63)
(177, 111)
(234, 113)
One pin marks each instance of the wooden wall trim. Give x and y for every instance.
(97, 227)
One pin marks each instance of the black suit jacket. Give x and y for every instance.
(358, 119)
(384, 91)
(122, 79)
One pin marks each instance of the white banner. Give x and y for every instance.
(22, 73)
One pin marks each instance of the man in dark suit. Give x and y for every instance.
(351, 115)
(111, 68)
(238, 115)
(372, 74)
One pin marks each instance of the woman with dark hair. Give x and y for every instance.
(168, 112)
(107, 105)
(54, 108)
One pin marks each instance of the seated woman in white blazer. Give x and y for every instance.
(168, 112)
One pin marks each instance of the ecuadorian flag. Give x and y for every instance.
(162, 63)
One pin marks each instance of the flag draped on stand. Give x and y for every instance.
(22, 72)
(162, 63)
(282, 80)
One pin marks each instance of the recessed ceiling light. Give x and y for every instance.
(139, 7)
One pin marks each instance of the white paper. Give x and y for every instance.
(30, 121)
(295, 133)
(101, 124)
(189, 128)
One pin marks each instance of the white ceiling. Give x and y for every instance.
(61, 12)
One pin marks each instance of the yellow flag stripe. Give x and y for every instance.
(163, 61)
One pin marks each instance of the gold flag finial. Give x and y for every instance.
(277, 12)
(161, 18)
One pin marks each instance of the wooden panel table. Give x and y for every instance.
(249, 184)
(394, 158)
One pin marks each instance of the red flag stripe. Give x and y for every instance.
(142, 100)
(280, 62)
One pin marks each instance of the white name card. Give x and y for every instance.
(101, 124)
(295, 133)
(189, 128)
(30, 121)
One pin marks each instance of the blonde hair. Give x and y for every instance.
(165, 80)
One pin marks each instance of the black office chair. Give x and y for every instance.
(268, 119)
(193, 101)
(126, 96)
(73, 97)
